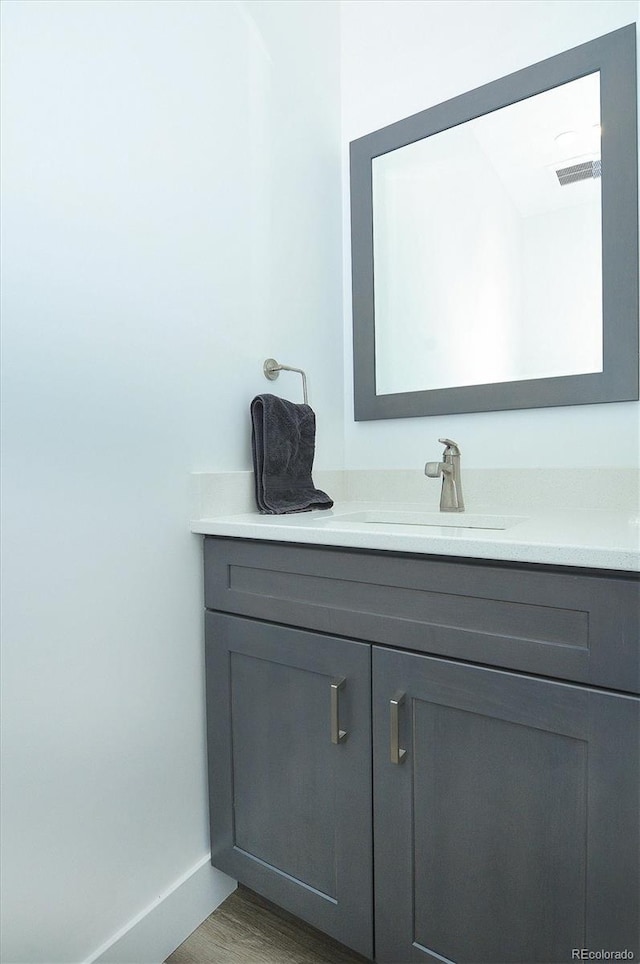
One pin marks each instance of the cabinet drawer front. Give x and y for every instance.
(567, 624)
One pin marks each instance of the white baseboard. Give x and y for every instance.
(155, 933)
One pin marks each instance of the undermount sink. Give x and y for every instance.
(453, 520)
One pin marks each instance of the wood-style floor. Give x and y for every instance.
(246, 929)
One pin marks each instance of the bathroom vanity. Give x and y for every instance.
(424, 737)
(430, 756)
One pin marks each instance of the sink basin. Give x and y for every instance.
(450, 520)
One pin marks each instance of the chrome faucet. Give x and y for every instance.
(451, 499)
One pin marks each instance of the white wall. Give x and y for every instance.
(171, 216)
(400, 57)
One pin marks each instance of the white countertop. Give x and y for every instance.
(593, 538)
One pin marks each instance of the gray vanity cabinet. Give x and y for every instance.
(290, 770)
(492, 769)
(508, 829)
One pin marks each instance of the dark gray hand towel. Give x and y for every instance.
(283, 440)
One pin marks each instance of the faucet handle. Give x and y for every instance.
(433, 469)
(452, 447)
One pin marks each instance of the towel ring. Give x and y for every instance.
(272, 369)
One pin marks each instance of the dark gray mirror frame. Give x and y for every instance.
(614, 55)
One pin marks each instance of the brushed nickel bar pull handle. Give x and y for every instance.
(337, 735)
(397, 753)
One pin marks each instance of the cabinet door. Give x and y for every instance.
(291, 808)
(508, 831)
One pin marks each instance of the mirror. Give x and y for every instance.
(494, 244)
(514, 196)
